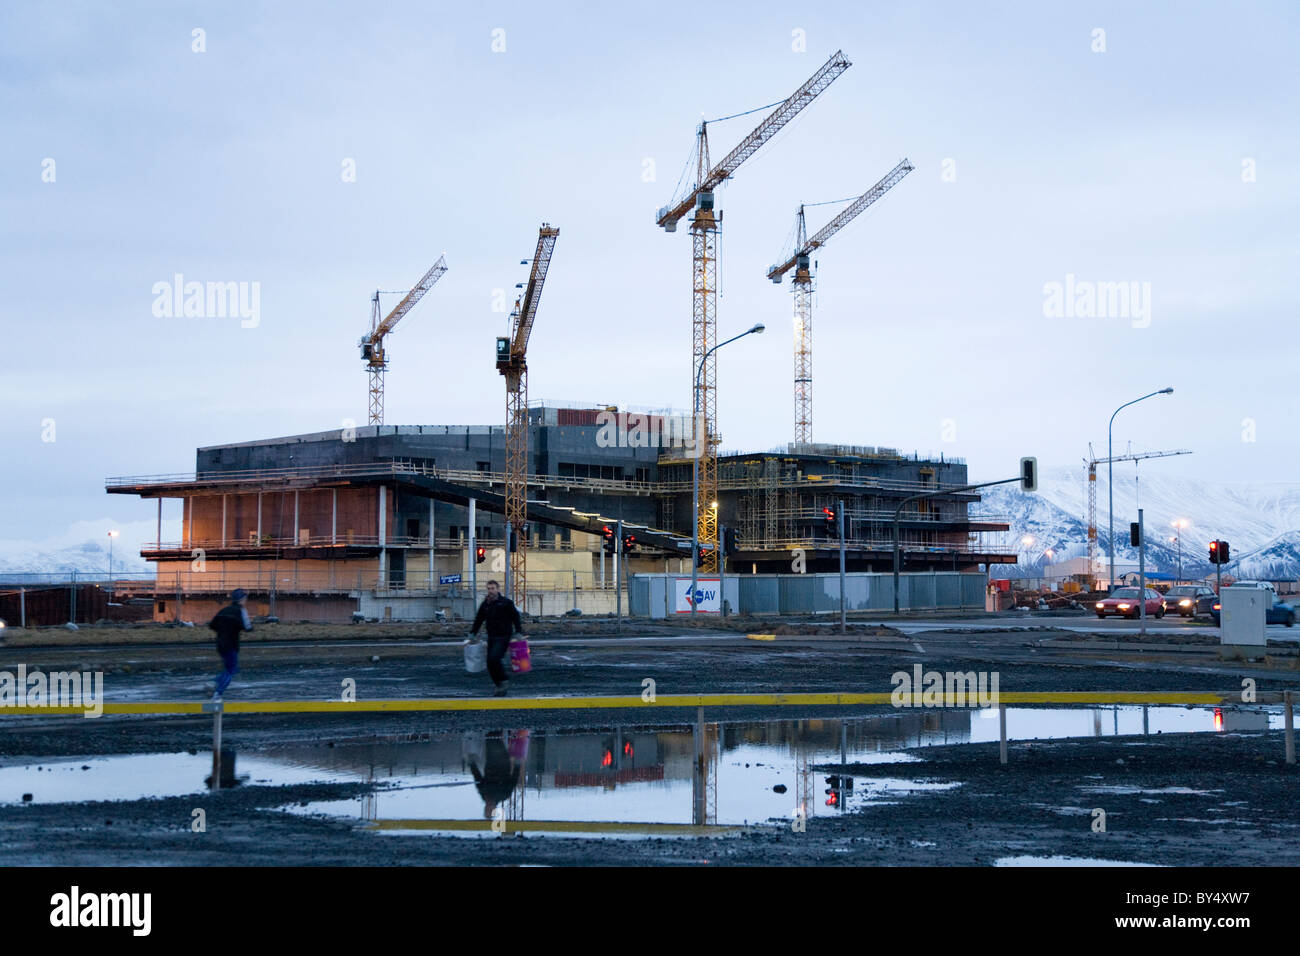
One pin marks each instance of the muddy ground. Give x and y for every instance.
(1243, 811)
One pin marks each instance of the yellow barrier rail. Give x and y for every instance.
(435, 704)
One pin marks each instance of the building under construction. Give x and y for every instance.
(377, 520)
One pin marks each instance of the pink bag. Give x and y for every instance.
(521, 662)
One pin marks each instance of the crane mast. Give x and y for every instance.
(704, 287)
(1092, 464)
(800, 260)
(372, 344)
(512, 362)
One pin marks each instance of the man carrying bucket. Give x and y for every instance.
(502, 619)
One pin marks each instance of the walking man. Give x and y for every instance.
(502, 619)
(231, 621)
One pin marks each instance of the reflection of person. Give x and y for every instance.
(231, 621)
(500, 775)
(502, 619)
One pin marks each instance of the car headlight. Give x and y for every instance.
(1216, 607)
(1100, 606)
(1185, 602)
(1123, 607)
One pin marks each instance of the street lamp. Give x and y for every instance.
(111, 536)
(1110, 478)
(1179, 525)
(695, 474)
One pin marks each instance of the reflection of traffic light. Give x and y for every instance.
(627, 748)
(608, 533)
(608, 759)
(837, 788)
(480, 555)
(828, 519)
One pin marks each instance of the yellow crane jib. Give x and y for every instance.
(372, 343)
(786, 110)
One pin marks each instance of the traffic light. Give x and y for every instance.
(730, 542)
(828, 518)
(1135, 534)
(480, 555)
(629, 541)
(610, 541)
(1224, 552)
(1028, 474)
(1219, 552)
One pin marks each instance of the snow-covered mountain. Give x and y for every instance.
(84, 548)
(1261, 522)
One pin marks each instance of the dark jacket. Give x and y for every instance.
(501, 616)
(230, 622)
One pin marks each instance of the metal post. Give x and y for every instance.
(722, 571)
(432, 544)
(334, 518)
(618, 571)
(508, 529)
(22, 606)
(72, 599)
(1146, 725)
(473, 557)
(1289, 698)
(1002, 728)
(216, 746)
(844, 743)
(158, 542)
(575, 590)
(843, 617)
(1142, 575)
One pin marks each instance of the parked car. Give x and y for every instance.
(1125, 602)
(1187, 599)
(1279, 612)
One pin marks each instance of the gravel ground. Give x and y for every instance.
(1241, 813)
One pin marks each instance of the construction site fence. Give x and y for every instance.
(663, 595)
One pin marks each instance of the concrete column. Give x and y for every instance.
(296, 532)
(432, 543)
(383, 536)
(223, 520)
(158, 545)
(189, 534)
(334, 518)
(259, 517)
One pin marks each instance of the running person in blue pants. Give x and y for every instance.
(231, 621)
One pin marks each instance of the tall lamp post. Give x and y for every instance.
(695, 472)
(1179, 525)
(1110, 478)
(111, 536)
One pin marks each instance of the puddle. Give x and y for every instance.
(677, 780)
(1061, 861)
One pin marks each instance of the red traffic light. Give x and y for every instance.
(480, 554)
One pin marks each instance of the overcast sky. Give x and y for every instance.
(1169, 158)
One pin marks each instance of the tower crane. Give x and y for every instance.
(704, 227)
(799, 260)
(513, 364)
(372, 344)
(1092, 464)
